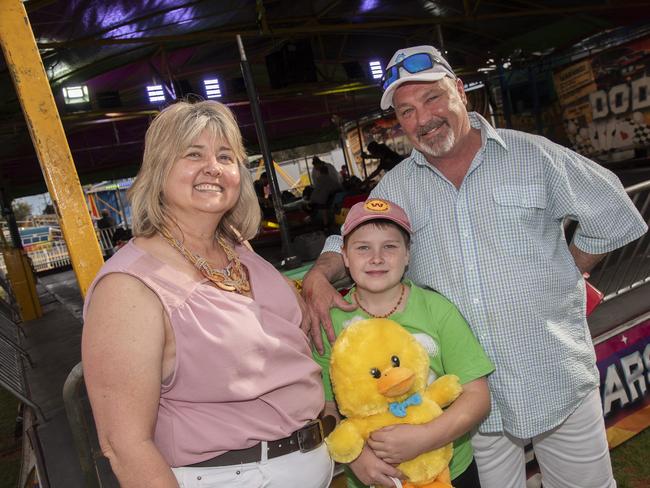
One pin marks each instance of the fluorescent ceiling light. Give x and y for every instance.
(376, 70)
(473, 85)
(156, 93)
(212, 88)
(76, 94)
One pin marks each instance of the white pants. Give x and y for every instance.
(573, 455)
(311, 469)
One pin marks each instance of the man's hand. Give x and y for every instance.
(320, 296)
(373, 471)
(398, 443)
(584, 261)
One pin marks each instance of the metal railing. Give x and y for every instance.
(81, 426)
(9, 334)
(54, 253)
(627, 268)
(12, 371)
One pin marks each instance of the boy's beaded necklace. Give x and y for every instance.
(392, 311)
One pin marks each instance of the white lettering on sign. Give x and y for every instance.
(614, 390)
(646, 360)
(635, 368)
(621, 98)
(633, 371)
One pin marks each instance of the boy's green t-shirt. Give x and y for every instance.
(440, 328)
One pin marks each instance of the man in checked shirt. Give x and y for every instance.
(486, 207)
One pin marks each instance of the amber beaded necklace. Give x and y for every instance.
(399, 302)
(231, 278)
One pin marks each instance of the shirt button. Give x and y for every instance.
(198, 478)
(476, 301)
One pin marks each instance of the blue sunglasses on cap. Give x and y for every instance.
(415, 63)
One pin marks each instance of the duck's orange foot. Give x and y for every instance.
(442, 481)
(432, 484)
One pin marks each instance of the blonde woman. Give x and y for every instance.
(197, 370)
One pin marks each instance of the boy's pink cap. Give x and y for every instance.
(375, 209)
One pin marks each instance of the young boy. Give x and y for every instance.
(376, 237)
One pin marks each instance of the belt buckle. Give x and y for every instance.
(307, 440)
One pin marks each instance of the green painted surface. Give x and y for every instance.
(298, 273)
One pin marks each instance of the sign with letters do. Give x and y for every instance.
(606, 101)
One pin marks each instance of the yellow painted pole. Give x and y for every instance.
(33, 89)
(21, 279)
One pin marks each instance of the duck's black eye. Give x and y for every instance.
(375, 373)
(395, 361)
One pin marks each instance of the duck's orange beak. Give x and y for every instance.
(396, 381)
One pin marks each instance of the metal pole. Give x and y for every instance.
(120, 204)
(441, 41)
(356, 120)
(8, 214)
(346, 158)
(505, 96)
(291, 260)
(308, 172)
(42, 117)
(532, 80)
(363, 159)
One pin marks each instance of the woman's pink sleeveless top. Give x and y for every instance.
(243, 370)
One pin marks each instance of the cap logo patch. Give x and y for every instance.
(375, 205)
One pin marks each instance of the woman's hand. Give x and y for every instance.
(373, 471)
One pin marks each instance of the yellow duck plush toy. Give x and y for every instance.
(379, 376)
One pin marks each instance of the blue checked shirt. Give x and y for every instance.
(496, 248)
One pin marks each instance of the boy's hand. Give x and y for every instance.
(373, 471)
(398, 443)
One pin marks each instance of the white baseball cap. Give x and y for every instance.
(430, 66)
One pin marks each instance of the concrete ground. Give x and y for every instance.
(53, 342)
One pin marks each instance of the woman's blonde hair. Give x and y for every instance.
(168, 136)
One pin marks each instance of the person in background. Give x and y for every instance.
(266, 184)
(325, 184)
(487, 208)
(192, 350)
(388, 158)
(263, 192)
(106, 226)
(329, 173)
(106, 221)
(344, 174)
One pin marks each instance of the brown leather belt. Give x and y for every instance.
(304, 440)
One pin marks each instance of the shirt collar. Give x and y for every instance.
(476, 121)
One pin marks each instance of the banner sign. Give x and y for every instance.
(606, 101)
(624, 366)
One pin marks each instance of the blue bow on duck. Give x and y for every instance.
(398, 409)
